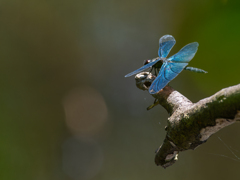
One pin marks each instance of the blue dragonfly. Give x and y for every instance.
(170, 67)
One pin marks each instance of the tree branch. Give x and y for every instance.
(191, 124)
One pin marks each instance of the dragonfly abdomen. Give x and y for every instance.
(195, 70)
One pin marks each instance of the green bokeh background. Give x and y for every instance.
(52, 49)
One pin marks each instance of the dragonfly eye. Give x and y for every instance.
(146, 61)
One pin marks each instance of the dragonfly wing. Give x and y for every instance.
(143, 68)
(167, 73)
(160, 82)
(185, 54)
(165, 45)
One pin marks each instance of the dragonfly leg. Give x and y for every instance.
(156, 102)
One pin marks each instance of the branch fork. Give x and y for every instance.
(191, 124)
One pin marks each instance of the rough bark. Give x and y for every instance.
(191, 124)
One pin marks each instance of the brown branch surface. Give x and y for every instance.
(191, 124)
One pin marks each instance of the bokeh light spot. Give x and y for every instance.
(85, 110)
(81, 159)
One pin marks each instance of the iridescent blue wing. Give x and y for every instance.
(167, 73)
(185, 54)
(143, 68)
(165, 45)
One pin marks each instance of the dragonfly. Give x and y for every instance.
(170, 67)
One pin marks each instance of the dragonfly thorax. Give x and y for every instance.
(158, 65)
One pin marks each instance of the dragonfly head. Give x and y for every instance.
(147, 61)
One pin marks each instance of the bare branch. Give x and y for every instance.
(191, 124)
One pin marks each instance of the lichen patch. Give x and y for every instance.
(220, 123)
